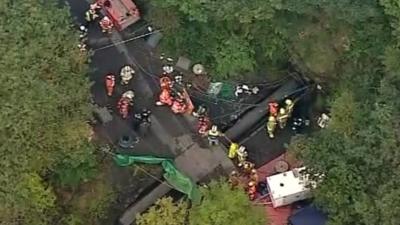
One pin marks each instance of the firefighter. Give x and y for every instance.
(254, 176)
(289, 104)
(233, 150)
(242, 154)
(252, 190)
(83, 33)
(213, 135)
(271, 125)
(273, 108)
(110, 84)
(201, 111)
(129, 95)
(92, 13)
(234, 179)
(179, 106)
(246, 167)
(282, 118)
(106, 25)
(165, 97)
(203, 125)
(126, 73)
(123, 106)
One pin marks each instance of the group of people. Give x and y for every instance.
(278, 115)
(126, 100)
(247, 176)
(93, 15)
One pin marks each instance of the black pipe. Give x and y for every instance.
(252, 118)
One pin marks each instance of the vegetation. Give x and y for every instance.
(224, 205)
(164, 212)
(44, 95)
(221, 205)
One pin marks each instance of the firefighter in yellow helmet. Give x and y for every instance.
(242, 154)
(271, 126)
(282, 117)
(234, 179)
(233, 150)
(252, 190)
(289, 104)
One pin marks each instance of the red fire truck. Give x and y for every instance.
(122, 12)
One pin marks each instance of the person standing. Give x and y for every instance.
(271, 126)
(213, 136)
(282, 118)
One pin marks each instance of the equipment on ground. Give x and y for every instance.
(288, 187)
(122, 13)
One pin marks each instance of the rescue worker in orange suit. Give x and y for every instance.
(179, 106)
(110, 84)
(165, 97)
(252, 190)
(106, 25)
(203, 125)
(123, 106)
(273, 108)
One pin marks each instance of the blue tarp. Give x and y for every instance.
(308, 215)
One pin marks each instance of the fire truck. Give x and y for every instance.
(122, 12)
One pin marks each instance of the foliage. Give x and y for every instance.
(91, 203)
(223, 34)
(44, 95)
(222, 205)
(164, 212)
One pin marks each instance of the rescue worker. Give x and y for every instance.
(203, 125)
(165, 97)
(201, 111)
(246, 167)
(129, 95)
(252, 190)
(126, 74)
(242, 154)
(234, 179)
(282, 118)
(254, 176)
(233, 150)
(83, 32)
(213, 135)
(123, 106)
(106, 25)
(92, 13)
(271, 126)
(178, 79)
(110, 84)
(179, 106)
(273, 108)
(289, 105)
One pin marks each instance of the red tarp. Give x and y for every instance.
(122, 12)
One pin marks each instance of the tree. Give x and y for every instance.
(44, 95)
(164, 212)
(222, 205)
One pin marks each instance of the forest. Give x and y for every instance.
(351, 48)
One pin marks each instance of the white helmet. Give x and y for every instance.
(271, 119)
(288, 102)
(214, 128)
(282, 111)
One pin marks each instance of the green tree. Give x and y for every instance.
(222, 205)
(44, 95)
(164, 212)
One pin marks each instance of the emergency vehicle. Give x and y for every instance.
(122, 13)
